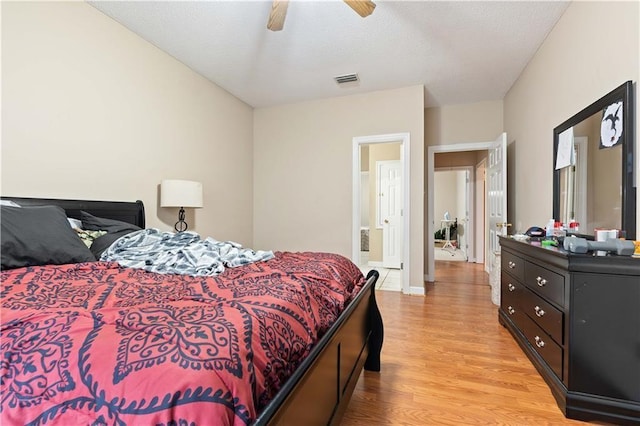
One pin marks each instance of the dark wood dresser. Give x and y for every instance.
(577, 317)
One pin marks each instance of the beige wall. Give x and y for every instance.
(303, 169)
(445, 198)
(458, 159)
(364, 158)
(90, 110)
(377, 152)
(575, 66)
(476, 122)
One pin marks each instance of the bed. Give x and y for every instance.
(276, 342)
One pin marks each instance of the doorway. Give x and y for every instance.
(454, 213)
(493, 147)
(380, 222)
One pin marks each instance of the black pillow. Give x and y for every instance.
(39, 235)
(102, 243)
(115, 229)
(94, 223)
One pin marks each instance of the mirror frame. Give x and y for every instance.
(624, 93)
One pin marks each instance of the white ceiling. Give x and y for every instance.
(461, 51)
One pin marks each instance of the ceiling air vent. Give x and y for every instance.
(346, 78)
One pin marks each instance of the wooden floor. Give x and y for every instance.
(447, 361)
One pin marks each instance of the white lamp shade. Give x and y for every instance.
(180, 193)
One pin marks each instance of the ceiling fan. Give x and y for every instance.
(363, 8)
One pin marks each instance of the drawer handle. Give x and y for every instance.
(539, 342)
(512, 265)
(541, 281)
(539, 312)
(511, 310)
(511, 287)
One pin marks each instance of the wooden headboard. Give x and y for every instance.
(130, 212)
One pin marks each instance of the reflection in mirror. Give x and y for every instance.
(593, 167)
(573, 185)
(590, 188)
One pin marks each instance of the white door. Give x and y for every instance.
(497, 194)
(390, 211)
(464, 221)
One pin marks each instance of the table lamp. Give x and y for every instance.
(180, 193)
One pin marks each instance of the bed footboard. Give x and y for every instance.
(320, 389)
(377, 329)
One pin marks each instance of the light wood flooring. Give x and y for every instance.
(447, 361)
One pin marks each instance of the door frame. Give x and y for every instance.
(480, 204)
(431, 153)
(404, 140)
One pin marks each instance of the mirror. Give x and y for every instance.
(593, 166)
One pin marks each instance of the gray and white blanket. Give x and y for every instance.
(179, 253)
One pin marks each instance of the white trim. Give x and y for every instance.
(404, 139)
(418, 291)
(431, 152)
(374, 263)
(581, 179)
(479, 204)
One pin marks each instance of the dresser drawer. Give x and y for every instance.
(511, 290)
(542, 344)
(512, 264)
(511, 295)
(546, 283)
(547, 316)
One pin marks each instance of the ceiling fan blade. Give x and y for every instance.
(277, 15)
(363, 8)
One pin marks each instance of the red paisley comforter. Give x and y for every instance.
(95, 343)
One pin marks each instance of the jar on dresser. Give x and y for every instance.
(577, 318)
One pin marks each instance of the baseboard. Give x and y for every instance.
(418, 291)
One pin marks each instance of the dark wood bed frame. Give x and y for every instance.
(319, 390)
